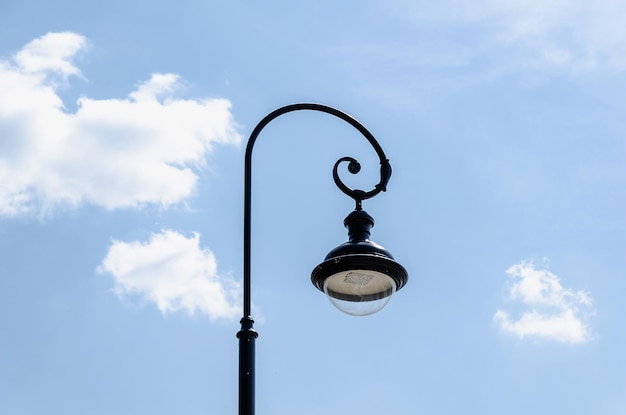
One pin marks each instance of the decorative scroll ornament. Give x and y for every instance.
(354, 167)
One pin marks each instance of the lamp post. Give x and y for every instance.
(359, 276)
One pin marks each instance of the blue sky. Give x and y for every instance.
(122, 132)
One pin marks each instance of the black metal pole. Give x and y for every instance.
(247, 335)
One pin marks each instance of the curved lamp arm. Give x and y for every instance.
(353, 167)
(247, 334)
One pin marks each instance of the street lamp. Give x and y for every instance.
(359, 276)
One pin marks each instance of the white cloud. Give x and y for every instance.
(572, 36)
(576, 35)
(114, 153)
(550, 311)
(51, 53)
(173, 272)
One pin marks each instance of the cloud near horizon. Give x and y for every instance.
(173, 272)
(114, 153)
(550, 311)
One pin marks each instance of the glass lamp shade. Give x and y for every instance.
(359, 276)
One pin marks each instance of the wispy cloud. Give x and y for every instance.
(578, 36)
(494, 37)
(173, 272)
(550, 311)
(115, 153)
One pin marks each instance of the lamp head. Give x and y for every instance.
(359, 276)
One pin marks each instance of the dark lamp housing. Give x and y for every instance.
(359, 276)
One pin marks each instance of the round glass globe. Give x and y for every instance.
(359, 292)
